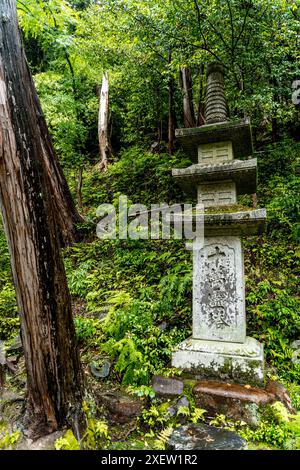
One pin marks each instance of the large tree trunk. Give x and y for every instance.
(188, 104)
(103, 136)
(172, 117)
(54, 376)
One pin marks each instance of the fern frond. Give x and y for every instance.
(162, 439)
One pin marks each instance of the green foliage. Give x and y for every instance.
(277, 428)
(159, 418)
(9, 441)
(144, 177)
(273, 305)
(87, 328)
(143, 391)
(141, 347)
(270, 433)
(67, 442)
(162, 439)
(9, 320)
(95, 437)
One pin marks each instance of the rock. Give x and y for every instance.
(172, 411)
(122, 407)
(281, 394)
(296, 356)
(295, 344)
(237, 402)
(44, 443)
(204, 437)
(183, 401)
(167, 386)
(2, 354)
(102, 372)
(163, 326)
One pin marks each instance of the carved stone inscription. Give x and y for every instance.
(219, 291)
(220, 152)
(217, 194)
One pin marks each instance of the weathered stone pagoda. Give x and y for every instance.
(223, 169)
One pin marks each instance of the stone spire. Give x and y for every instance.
(219, 348)
(215, 105)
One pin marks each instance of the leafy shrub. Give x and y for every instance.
(86, 328)
(9, 319)
(144, 177)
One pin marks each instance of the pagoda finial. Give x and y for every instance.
(215, 104)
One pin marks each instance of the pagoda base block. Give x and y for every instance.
(234, 362)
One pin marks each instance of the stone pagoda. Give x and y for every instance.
(223, 169)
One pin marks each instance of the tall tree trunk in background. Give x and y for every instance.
(54, 376)
(79, 188)
(201, 104)
(172, 117)
(188, 104)
(103, 136)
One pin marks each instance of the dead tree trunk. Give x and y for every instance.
(103, 136)
(54, 376)
(188, 104)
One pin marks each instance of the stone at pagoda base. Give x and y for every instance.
(235, 362)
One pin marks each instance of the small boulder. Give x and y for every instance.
(205, 437)
(122, 407)
(167, 386)
(43, 443)
(183, 402)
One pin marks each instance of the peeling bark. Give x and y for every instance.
(104, 142)
(188, 104)
(54, 376)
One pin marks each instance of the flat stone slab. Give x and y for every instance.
(242, 363)
(239, 402)
(235, 224)
(167, 386)
(239, 133)
(245, 223)
(205, 437)
(223, 391)
(242, 172)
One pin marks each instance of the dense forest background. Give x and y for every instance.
(132, 299)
